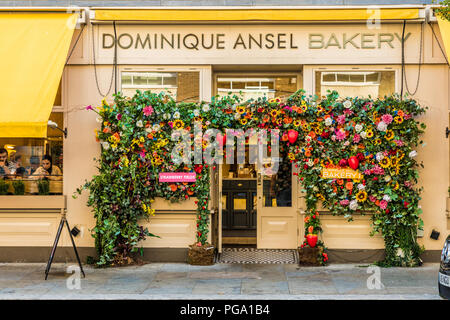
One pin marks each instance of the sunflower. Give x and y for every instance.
(361, 196)
(398, 119)
(274, 113)
(320, 196)
(303, 108)
(396, 186)
(178, 124)
(377, 141)
(291, 156)
(319, 109)
(240, 109)
(389, 135)
(296, 123)
(385, 162)
(243, 121)
(400, 155)
(394, 161)
(369, 134)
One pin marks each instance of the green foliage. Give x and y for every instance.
(444, 11)
(4, 186)
(43, 186)
(137, 142)
(19, 187)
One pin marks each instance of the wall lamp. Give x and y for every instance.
(54, 125)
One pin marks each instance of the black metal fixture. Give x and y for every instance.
(447, 132)
(434, 235)
(54, 125)
(75, 231)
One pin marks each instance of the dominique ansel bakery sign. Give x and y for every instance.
(366, 39)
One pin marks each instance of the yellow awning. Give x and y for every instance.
(253, 14)
(444, 27)
(33, 51)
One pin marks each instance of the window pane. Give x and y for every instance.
(182, 86)
(170, 80)
(356, 78)
(372, 77)
(140, 80)
(126, 79)
(376, 84)
(22, 159)
(329, 77)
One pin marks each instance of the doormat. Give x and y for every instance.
(257, 256)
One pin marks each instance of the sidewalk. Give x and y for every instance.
(220, 281)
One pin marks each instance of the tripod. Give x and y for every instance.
(55, 244)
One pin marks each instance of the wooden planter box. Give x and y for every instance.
(201, 256)
(308, 256)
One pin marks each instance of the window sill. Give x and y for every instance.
(32, 202)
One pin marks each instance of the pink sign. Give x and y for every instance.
(177, 177)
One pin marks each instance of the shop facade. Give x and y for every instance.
(196, 54)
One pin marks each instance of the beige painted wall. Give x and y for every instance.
(80, 90)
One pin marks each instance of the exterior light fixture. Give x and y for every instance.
(434, 235)
(54, 125)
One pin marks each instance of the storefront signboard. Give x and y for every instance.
(341, 174)
(177, 177)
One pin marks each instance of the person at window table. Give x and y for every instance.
(47, 170)
(5, 166)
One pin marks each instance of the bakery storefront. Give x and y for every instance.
(196, 54)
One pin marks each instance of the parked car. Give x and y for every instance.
(444, 271)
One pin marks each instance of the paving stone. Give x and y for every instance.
(264, 287)
(224, 275)
(214, 286)
(170, 286)
(162, 275)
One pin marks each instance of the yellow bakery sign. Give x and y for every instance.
(341, 174)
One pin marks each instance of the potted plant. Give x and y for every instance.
(19, 187)
(4, 186)
(43, 187)
(201, 254)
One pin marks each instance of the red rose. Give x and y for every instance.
(360, 157)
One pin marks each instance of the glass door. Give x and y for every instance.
(277, 208)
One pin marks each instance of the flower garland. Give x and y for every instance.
(137, 140)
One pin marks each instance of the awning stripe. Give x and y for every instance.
(444, 28)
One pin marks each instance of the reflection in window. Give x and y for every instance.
(376, 84)
(256, 87)
(35, 165)
(182, 86)
(277, 188)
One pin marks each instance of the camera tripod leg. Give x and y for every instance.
(75, 249)
(55, 244)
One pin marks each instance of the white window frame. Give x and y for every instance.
(348, 83)
(309, 73)
(147, 86)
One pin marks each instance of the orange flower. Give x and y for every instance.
(340, 182)
(284, 137)
(312, 134)
(150, 136)
(190, 192)
(334, 189)
(400, 113)
(287, 120)
(306, 219)
(349, 185)
(173, 187)
(310, 229)
(308, 153)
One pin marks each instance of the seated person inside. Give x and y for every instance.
(47, 170)
(6, 167)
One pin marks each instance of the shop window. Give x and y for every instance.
(182, 86)
(22, 159)
(375, 84)
(257, 87)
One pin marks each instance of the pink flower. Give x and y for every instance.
(377, 170)
(344, 202)
(407, 116)
(89, 107)
(348, 112)
(356, 138)
(340, 119)
(367, 172)
(372, 198)
(119, 116)
(148, 110)
(399, 143)
(383, 204)
(340, 135)
(387, 118)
